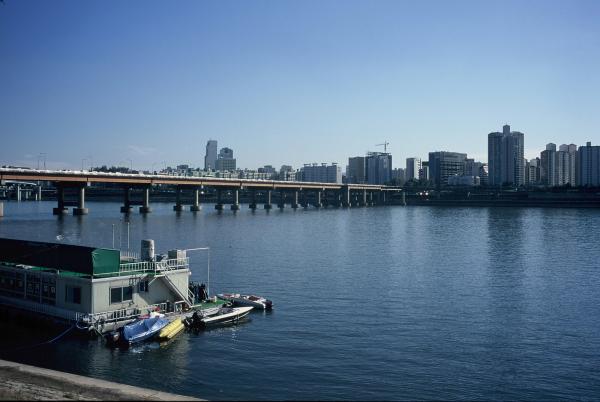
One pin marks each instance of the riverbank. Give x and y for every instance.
(23, 382)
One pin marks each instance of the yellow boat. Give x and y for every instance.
(172, 329)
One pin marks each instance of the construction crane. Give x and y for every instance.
(385, 144)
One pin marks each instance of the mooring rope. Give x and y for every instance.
(41, 343)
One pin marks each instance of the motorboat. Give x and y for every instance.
(223, 315)
(143, 329)
(237, 299)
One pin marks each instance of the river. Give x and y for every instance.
(369, 303)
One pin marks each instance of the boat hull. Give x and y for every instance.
(225, 315)
(258, 302)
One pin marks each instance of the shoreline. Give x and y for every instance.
(24, 382)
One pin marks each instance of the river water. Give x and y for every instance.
(370, 303)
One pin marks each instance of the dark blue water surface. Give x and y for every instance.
(370, 303)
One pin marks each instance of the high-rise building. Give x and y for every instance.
(588, 165)
(443, 164)
(225, 161)
(399, 176)
(210, 159)
(505, 157)
(378, 167)
(548, 174)
(322, 173)
(355, 172)
(532, 172)
(424, 171)
(413, 165)
(566, 160)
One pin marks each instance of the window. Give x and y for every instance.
(121, 294)
(73, 294)
(127, 293)
(116, 295)
(143, 286)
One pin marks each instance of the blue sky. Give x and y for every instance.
(291, 81)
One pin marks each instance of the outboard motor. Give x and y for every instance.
(203, 294)
(268, 304)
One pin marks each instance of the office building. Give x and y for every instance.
(413, 165)
(322, 173)
(356, 169)
(588, 165)
(378, 167)
(505, 157)
(225, 161)
(443, 164)
(210, 159)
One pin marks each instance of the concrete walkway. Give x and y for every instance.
(23, 382)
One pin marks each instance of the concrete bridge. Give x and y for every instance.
(295, 194)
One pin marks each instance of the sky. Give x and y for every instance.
(148, 83)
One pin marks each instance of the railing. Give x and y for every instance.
(154, 267)
(112, 316)
(179, 292)
(130, 255)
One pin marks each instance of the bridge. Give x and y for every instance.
(292, 192)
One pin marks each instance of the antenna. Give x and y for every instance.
(385, 144)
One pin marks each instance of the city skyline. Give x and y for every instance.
(425, 77)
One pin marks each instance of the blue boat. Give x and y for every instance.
(143, 329)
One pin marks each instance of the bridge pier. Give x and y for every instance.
(196, 206)
(60, 198)
(81, 209)
(219, 204)
(1, 209)
(268, 204)
(178, 207)
(281, 203)
(295, 200)
(39, 194)
(304, 200)
(345, 197)
(145, 208)
(403, 198)
(235, 206)
(370, 202)
(126, 208)
(318, 203)
(18, 187)
(364, 198)
(252, 205)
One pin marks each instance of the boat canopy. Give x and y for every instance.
(65, 257)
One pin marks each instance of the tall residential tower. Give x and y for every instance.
(506, 157)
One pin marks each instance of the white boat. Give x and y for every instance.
(257, 302)
(224, 315)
